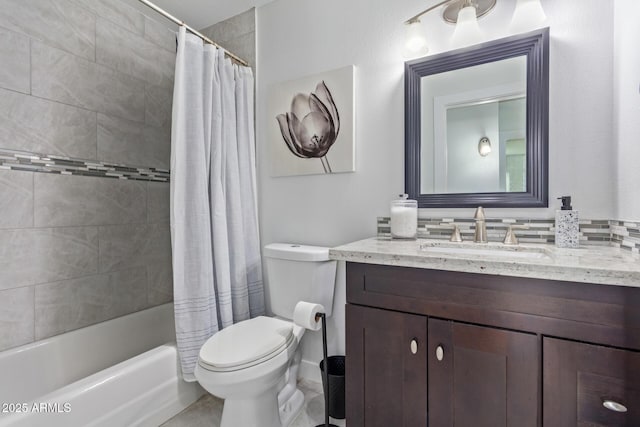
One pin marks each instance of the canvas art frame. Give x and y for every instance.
(311, 124)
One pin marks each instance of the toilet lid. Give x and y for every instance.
(245, 342)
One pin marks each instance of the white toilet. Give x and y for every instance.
(253, 364)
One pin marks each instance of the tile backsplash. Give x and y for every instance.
(592, 231)
(626, 234)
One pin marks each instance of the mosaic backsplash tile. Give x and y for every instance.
(592, 232)
(14, 160)
(626, 235)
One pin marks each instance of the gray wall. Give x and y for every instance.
(85, 79)
(237, 34)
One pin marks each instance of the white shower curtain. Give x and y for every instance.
(217, 270)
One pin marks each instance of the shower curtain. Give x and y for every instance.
(217, 270)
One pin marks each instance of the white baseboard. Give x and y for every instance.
(309, 371)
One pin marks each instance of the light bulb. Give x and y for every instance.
(528, 16)
(484, 147)
(415, 45)
(467, 31)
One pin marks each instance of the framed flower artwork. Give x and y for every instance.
(311, 124)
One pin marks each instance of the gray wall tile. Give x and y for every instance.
(59, 129)
(51, 92)
(76, 303)
(59, 23)
(158, 105)
(133, 55)
(237, 34)
(129, 246)
(117, 12)
(62, 77)
(158, 202)
(16, 199)
(126, 142)
(244, 46)
(16, 317)
(14, 57)
(66, 200)
(41, 255)
(160, 34)
(233, 27)
(160, 283)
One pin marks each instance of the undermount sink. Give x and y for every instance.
(488, 250)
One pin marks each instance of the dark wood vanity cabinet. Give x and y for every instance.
(482, 377)
(389, 384)
(579, 377)
(437, 348)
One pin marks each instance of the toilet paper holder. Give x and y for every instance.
(322, 317)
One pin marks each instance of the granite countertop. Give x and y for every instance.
(588, 264)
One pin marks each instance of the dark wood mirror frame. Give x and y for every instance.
(535, 45)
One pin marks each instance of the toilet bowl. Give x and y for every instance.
(253, 365)
(247, 367)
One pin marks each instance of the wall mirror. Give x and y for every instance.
(476, 125)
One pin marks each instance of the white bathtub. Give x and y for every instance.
(123, 372)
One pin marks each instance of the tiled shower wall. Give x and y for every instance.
(238, 34)
(90, 80)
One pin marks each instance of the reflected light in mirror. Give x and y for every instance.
(467, 30)
(415, 42)
(528, 16)
(484, 147)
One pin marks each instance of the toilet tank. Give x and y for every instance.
(299, 273)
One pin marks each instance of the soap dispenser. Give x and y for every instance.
(567, 225)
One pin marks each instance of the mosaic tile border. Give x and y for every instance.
(592, 232)
(625, 235)
(21, 161)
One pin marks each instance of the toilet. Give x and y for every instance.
(253, 365)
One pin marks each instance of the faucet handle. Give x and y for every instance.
(510, 238)
(479, 215)
(455, 235)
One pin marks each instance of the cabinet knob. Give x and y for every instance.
(614, 406)
(439, 353)
(414, 346)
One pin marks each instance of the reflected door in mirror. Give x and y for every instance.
(469, 118)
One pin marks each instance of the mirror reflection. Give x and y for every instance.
(473, 129)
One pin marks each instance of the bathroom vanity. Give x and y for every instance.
(440, 335)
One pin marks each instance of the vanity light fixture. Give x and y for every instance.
(528, 15)
(484, 146)
(467, 30)
(415, 42)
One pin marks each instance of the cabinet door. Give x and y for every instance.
(579, 378)
(482, 377)
(386, 376)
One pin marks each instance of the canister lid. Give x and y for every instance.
(404, 200)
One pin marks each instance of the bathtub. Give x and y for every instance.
(123, 372)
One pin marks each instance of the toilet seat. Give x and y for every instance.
(246, 344)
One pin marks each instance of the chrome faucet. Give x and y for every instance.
(481, 226)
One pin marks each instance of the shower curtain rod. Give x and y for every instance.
(191, 30)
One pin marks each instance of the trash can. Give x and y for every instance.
(335, 375)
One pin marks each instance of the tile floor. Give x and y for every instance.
(206, 412)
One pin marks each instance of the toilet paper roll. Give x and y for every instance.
(305, 315)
